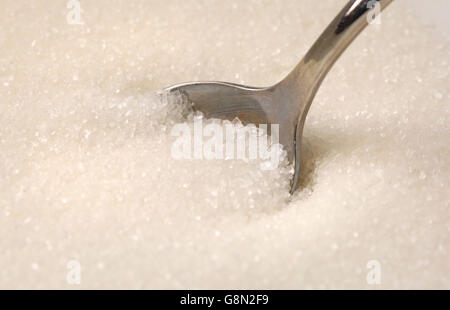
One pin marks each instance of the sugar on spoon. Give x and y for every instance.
(287, 102)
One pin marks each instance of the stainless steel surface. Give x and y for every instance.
(286, 103)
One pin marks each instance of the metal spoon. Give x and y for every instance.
(286, 103)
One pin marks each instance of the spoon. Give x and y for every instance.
(286, 103)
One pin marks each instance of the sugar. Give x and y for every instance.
(88, 178)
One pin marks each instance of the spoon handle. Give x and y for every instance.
(347, 25)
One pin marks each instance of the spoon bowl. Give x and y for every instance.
(286, 103)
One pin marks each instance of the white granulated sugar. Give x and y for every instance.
(87, 179)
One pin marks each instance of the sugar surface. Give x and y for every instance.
(86, 172)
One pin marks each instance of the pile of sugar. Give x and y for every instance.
(86, 172)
